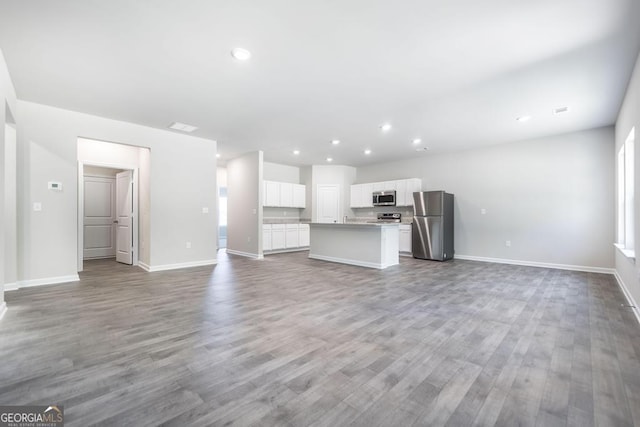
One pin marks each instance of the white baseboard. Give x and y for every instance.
(3, 309)
(584, 268)
(284, 251)
(41, 282)
(350, 261)
(145, 267)
(244, 254)
(10, 287)
(165, 267)
(628, 296)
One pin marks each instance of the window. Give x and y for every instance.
(626, 176)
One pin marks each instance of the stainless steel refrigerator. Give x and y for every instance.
(432, 233)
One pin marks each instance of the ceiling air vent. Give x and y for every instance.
(182, 127)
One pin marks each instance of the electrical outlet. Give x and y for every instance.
(188, 245)
(37, 206)
(205, 210)
(483, 211)
(248, 239)
(508, 243)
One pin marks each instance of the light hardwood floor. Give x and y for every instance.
(290, 341)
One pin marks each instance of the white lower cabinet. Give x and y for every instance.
(278, 240)
(266, 237)
(291, 237)
(284, 236)
(405, 238)
(303, 236)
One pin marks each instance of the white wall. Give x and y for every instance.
(182, 182)
(244, 204)
(306, 178)
(7, 111)
(281, 173)
(628, 118)
(10, 209)
(144, 208)
(551, 197)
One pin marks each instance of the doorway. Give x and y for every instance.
(108, 213)
(328, 203)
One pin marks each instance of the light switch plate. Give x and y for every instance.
(37, 206)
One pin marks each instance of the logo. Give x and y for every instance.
(32, 416)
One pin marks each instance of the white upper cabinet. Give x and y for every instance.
(367, 195)
(284, 195)
(299, 196)
(271, 193)
(401, 192)
(361, 194)
(356, 192)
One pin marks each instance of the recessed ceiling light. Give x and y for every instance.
(182, 127)
(240, 54)
(329, 159)
(560, 110)
(367, 151)
(417, 141)
(217, 155)
(522, 119)
(296, 152)
(335, 141)
(386, 127)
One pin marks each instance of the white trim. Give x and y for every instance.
(628, 296)
(351, 261)
(3, 309)
(11, 286)
(284, 251)
(244, 254)
(43, 282)
(165, 267)
(629, 253)
(584, 268)
(144, 266)
(80, 199)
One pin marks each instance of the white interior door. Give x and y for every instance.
(328, 203)
(99, 217)
(124, 211)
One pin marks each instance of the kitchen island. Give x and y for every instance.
(373, 245)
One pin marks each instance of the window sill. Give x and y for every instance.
(629, 253)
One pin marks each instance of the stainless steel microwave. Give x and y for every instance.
(384, 198)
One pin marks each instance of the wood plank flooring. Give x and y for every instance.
(289, 341)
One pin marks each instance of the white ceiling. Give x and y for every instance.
(455, 73)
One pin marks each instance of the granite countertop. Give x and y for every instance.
(356, 224)
(286, 221)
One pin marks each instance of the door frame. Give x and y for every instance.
(135, 219)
